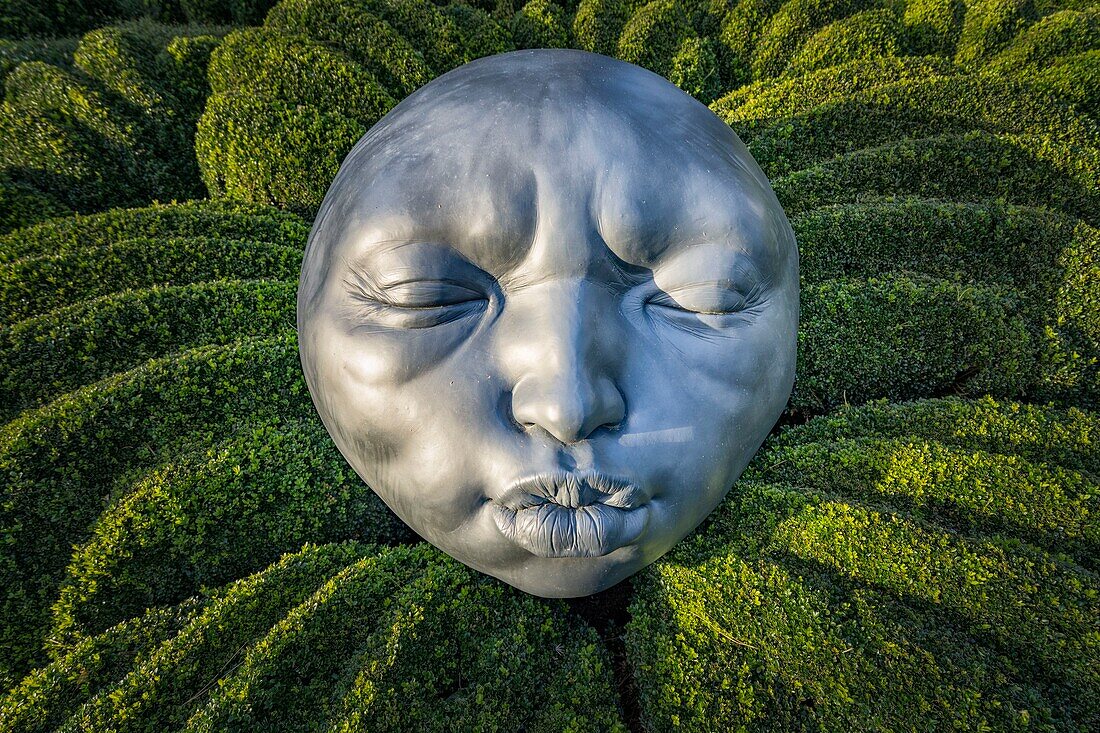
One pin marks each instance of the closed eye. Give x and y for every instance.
(708, 298)
(423, 294)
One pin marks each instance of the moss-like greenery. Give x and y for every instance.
(213, 516)
(887, 581)
(904, 337)
(861, 36)
(925, 564)
(347, 634)
(115, 125)
(541, 24)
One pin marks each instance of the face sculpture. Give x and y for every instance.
(548, 312)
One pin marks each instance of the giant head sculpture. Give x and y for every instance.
(548, 312)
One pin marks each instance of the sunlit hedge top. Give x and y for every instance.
(184, 547)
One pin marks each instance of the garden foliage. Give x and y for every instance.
(915, 546)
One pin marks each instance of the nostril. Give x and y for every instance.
(570, 412)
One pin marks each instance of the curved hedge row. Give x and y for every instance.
(60, 463)
(215, 515)
(901, 337)
(876, 582)
(345, 635)
(865, 572)
(115, 129)
(76, 345)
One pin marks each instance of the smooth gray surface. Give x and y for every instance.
(548, 311)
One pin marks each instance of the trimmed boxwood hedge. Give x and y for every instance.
(25, 284)
(215, 515)
(115, 125)
(71, 346)
(928, 563)
(886, 581)
(349, 635)
(858, 340)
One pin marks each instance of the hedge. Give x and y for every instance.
(35, 285)
(989, 25)
(356, 636)
(974, 166)
(864, 35)
(1061, 34)
(793, 23)
(1075, 79)
(1048, 261)
(541, 24)
(22, 204)
(215, 515)
(598, 24)
(289, 100)
(797, 95)
(933, 26)
(75, 345)
(231, 221)
(1065, 437)
(117, 127)
(899, 337)
(975, 492)
(852, 596)
(913, 109)
(654, 35)
(61, 462)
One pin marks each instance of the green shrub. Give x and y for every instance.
(791, 96)
(1061, 34)
(22, 18)
(792, 24)
(213, 516)
(361, 36)
(272, 152)
(481, 35)
(541, 24)
(209, 639)
(357, 637)
(61, 463)
(35, 285)
(49, 695)
(1048, 260)
(1066, 437)
(695, 70)
(973, 491)
(53, 51)
(598, 24)
(740, 33)
(970, 167)
(232, 221)
(118, 129)
(23, 205)
(854, 597)
(817, 613)
(269, 64)
(900, 338)
(861, 36)
(1075, 79)
(654, 35)
(989, 25)
(76, 345)
(933, 26)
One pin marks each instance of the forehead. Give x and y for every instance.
(480, 161)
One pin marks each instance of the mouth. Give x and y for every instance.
(563, 514)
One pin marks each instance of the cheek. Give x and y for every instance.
(410, 425)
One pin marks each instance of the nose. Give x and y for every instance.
(568, 358)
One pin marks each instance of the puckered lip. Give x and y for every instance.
(572, 490)
(571, 514)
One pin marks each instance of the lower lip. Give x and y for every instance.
(553, 530)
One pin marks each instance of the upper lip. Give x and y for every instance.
(572, 489)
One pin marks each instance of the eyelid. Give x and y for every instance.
(720, 297)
